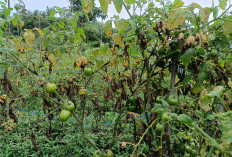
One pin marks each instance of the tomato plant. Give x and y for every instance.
(88, 72)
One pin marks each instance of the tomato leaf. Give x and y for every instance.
(118, 5)
(178, 3)
(222, 4)
(187, 56)
(185, 119)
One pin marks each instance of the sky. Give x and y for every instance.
(42, 5)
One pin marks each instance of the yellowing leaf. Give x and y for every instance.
(204, 14)
(108, 28)
(87, 5)
(52, 59)
(29, 37)
(39, 31)
(82, 91)
(104, 6)
(222, 4)
(176, 17)
(227, 28)
(118, 5)
(114, 61)
(178, 3)
(118, 39)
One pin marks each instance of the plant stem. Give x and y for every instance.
(138, 144)
(210, 151)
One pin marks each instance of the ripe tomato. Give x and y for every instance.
(69, 106)
(97, 153)
(50, 87)
(172, 100)
(107, 153)
(165, 117)
(159, 127)
(64, 115)
(88, 72)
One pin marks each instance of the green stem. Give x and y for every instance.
(211, 151)
(60, 97)
(206, 136)
(140, 140)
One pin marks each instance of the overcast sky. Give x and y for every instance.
(42, 5)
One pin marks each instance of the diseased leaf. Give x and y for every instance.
(29, 37)
(187, 56)
(118, 39)
(104, 6)
(118, 5)
(178, 3)
(39, 31)
(222, 4)
(108, 28)
(176, 17)
(52, 59)
(227, 28)
(87, 5)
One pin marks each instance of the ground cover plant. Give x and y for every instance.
(156, 84)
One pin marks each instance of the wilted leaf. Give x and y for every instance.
(81, 62)
(39, 31)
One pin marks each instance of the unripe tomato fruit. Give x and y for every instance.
(82, 91)
(88, 72)
(172, 101)
(97, 153)
(188, 149)
(107, 153)
(69, 106)
(64, 115)
(159, 127)
(159, 99)
(50, 87)
(165, 117)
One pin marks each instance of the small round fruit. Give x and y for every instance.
(64, 115)
(107, 153)
(82, 91)
(188, 149)
(159, 99)
(159, 127)
(69, 106)
(165, 117)
(50, 87)
(172, 100)
(88, 72)
(97, 153)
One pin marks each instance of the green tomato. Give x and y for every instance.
(50, 87)
(188, 149)
(213, 52)
(88, 72)
(64, 115)
(165, 117)
(69, 106)
(131, 108)
(159, 127)
(107, 153)
(97, 153)
(159, 99)
(194, 153)
(132, 99)
(172, 101)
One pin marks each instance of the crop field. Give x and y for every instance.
(78, 82)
